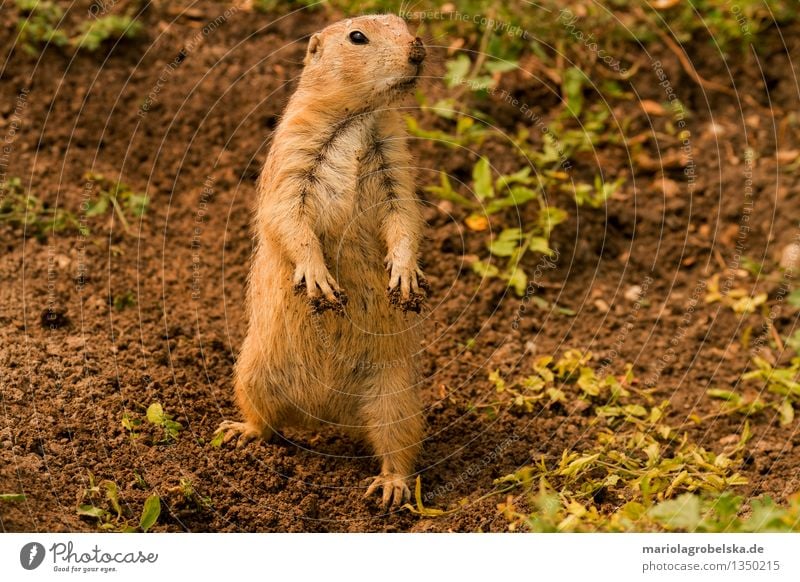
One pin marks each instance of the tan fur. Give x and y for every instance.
(337, 212)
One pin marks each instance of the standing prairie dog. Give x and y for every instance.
(334, 282)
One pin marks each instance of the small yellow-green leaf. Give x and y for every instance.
(579, 464)
(482, 180)
(786, 411)
(91, 511)
(216, 442)
(112, 495)
(155, 413)
(150, 512)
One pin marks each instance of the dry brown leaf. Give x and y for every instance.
(652, 107)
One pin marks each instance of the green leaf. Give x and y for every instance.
(572, 88)
(98, 208)
(506, 243)
(538, 244)
(549, 218)
(216, 442)
(635, 410)
(150, 512)
(500, 66)
(725, 395)
(794, 299)
(444, 108)
(12, 497)
(793, 342)
(497, 380)
(446, 192)
(457, 70)
(112, 495)
(786, 411)
(485, 269)
(519, 177)
(91, 511)
(765, 516)
(155, 414)
(579, 464)
(482, 180)
(137, 204)
(518, 281)
(682, 513)
(587, 381)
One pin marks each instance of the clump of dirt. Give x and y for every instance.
(320, 303)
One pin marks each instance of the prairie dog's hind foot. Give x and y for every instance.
(395, 489)
(241, 432)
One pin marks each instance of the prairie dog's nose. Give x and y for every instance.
(417, 53)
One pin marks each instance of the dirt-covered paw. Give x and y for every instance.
(321, 289)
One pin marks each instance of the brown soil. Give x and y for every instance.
(72, 363)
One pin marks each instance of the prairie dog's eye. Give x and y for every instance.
(358, 37)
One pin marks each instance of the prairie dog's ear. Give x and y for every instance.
(314, 48)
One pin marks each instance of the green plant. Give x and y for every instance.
(124, 300)
(688, 513)
(93, 33)
(39, 21)
(38, 24)
(131, 424)
(467, 131)
(157, 417)
(491, 196)
(793, 342)
(285, 5)
(190, 495)
(26, 211)
(783, 382)
(12, 497)
(100, 501)
(150, 512)
(119, 197)
(794, 298)
(637, 454)
(596, 195)
(739, 299)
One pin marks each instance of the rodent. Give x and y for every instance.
(334, 288)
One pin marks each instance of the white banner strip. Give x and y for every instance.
(390, 557)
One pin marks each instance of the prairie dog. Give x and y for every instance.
(334, 280)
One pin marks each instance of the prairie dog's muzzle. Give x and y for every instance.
(417, 53)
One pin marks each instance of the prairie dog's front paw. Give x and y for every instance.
(320, 287)
(407, 286)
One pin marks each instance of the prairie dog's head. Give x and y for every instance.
(374, 58)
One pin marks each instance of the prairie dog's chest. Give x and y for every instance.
(339, 162)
